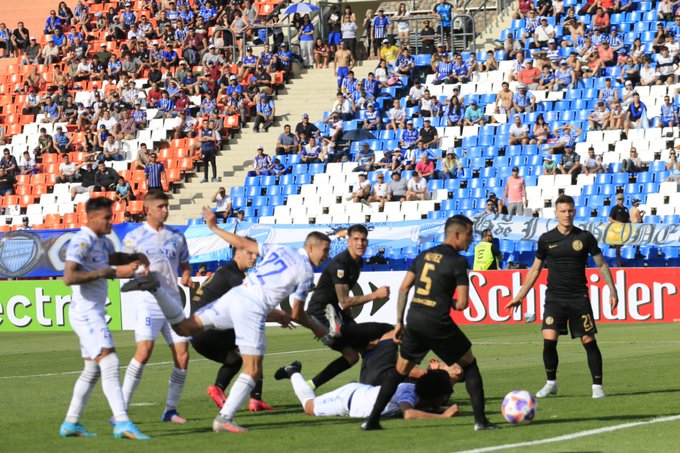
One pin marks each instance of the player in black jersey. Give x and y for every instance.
(565, 250)
(437, 274)
(331, 303)
(219, 345)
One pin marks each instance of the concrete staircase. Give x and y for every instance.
(312, 92)
(487, 39)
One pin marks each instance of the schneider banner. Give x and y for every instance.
(645, 295)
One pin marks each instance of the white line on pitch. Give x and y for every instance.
(576, 435)
(63, 373)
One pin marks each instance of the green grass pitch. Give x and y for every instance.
(38, 370)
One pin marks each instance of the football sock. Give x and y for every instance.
(387, 389)
(111, 386)
(594, 361)
(303, 391)
(257, 390)
(358, 335)
(133, 375)
(475, 388)
(171, 308)
(226, 373)
(334, 368)
(82, 390)
(175, 387)
(237, 395)
(550, 359)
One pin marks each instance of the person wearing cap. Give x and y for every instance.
(474, 115)
(570, 164)
(444, 72)
(311, 152)
(372, 118)
(636, 214)
(619, 214)
(33, 52)
(285, 61)
(24, 225)
(335, 127)
(549, 165)
(543, 34)
(50, 53)
(523, 101)
(427, 35)
(592, 163)
(380, 192)
(363, 190)
(389, 52)
(265, 113)
(306, 127)
(547, 79)
(514, 193)
(437, 57)
(452, 167)
(487, 255)
(530, 23)
(379, 27)
(262, 163)
(409, 136)
(209, 139)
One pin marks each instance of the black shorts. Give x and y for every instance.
(576, 311)
(378, 362)
(215, 344)
(444, 338)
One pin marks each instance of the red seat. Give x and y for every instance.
(136, 207)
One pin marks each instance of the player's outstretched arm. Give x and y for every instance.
(411, 413)
(235, 240)
(281, 317)
(606, 273)
(346, 301)
(74, 276)
(532, 276)
(300, 316)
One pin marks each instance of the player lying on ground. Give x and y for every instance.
(166, 248)
(424, 399)
(565, 250)
(437, 274)
(331, 305)
(284, 271)
(220, 345)
(89, 259)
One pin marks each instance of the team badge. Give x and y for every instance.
(340, 273)
(20, 253)
(549, 321)
(577, 245)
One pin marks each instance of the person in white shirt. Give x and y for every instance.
(416, 189)
(166, 248)
(222, 203)
(543, 33)
(89, 259)
(363, 190)
(343, 107)
(67, 170)
(283, 272)
(380, 191)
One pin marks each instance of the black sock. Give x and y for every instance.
(594, 361)
(256, 392)
(550, 359)
(334, 368)
(475, 388)
(387, 389)
(226, 373)
(359, 335)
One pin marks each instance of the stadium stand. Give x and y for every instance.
(580, 70)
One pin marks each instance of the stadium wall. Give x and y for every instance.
(646, 295)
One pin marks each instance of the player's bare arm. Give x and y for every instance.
(74, 276)
(461, 303)
(280, 317)
(346, 301)
(606, 273)
(406, 284)
(235, 240)
(532, 276)
(411, 413)
(300, 316)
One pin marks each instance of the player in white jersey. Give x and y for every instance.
(88, 264)
(283, 272)
(167, 251)
(412, 401)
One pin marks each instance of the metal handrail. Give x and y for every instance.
(414, 32)
(468, 37)
(233, 40)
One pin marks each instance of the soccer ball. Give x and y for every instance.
(519, 406)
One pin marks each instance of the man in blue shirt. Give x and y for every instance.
(444, 10)
(380, 24)
(265, 113)
(155, 173)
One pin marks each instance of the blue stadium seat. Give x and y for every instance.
(265, 211)
(423, 59)
(277, 200)
(237, 191)
(608, 189)
(652, 219)
(253, 191)
(620, 179)
(239, 202)
(252, 181)
(448, 205)
(583, 212)
(300, 169)
(465, 204)
(303, 179)
(291, 189)
(260, 201)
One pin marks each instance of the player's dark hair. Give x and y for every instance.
(357, 228)
(316, 236)
(95, 204)
(155, 195)
(434, 384)
(457, 221)
(566, 199)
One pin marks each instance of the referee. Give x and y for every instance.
(331, 303)
(219, 345)
(437, 274)
(565, 249)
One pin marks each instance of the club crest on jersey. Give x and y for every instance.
(549, 321)
(340, 273)
(577, 245)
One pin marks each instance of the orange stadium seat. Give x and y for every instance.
(174, 174)
(39, 189)
(25, 200)
(23, 179)
(136, 207)
(23, 189)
